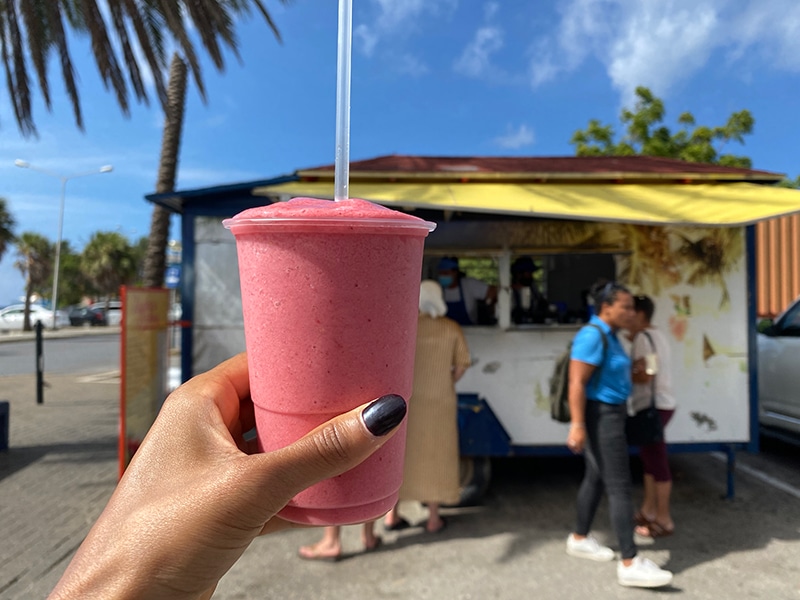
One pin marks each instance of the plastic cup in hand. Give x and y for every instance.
(330, 294)
(651, 363)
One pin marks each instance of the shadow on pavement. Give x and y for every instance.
(533, 499)
(17, 458)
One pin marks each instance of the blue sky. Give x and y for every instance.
(437, 77)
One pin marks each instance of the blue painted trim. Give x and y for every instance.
(752, 342)
(731, 472)
(480, 432)
(729, 449)
(190, 200)
(689, 447)
(187, 296)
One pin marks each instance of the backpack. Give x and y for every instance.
(559, 381)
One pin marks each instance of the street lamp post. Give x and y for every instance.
(63, 178)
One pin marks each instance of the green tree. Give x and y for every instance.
(646, 135)
(790, 183)
(73, 284)
(31, 31)
(139, 249)
(36, 28)
(35, 256)
(156, 254)
(6, 227)
(108, 262)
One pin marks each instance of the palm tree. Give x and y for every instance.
(32, 30)
(6, 227)
(73, 284)
(152, 23)
(155, 255)
(108, 262)
(35, 254)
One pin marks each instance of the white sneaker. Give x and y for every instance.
(643, 573)
(589, 548)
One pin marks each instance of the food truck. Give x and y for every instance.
(682, 233)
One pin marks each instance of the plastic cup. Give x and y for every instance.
(651, 363)
(330, 294)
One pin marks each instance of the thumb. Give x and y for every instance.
(331, 449)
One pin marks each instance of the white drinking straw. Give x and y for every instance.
(345, 44)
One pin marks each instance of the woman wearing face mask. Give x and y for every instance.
(462, 294)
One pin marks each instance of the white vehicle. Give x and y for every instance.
(779, 371)
(113, 314)
(12, 317)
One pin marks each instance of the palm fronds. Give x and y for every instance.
(31, 31)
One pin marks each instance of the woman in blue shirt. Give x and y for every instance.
(599, 386)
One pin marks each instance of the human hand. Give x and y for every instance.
(193, 499)
(576, 438)
(638, 371)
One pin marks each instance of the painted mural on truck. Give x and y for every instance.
(697, 278)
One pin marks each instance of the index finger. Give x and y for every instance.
(226, 385)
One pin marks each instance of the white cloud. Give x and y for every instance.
(659, 48)
(515, 138)
(367, 37)
(659, 44)
(543, 66)
(773, 28)
(411, 65)
(395, 18)
(475, 60)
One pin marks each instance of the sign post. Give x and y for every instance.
(145, 361)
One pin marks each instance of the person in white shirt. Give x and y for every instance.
(462, 294)
(654, 518)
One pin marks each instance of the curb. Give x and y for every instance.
(49, 334)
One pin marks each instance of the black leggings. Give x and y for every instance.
(607, 469)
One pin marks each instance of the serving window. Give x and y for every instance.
(542, 269)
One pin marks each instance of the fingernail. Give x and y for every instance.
(384, 414)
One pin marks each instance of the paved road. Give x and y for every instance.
(84, 354)
(61, 469)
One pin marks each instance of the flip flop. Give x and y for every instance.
(641, 520)
(398, 526)
(643, 531)
(657, 530)
(378, 544)
(314, 554)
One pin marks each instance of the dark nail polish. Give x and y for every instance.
(384, 414)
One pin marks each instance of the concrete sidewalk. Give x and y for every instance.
(57, 475)
(62, 466)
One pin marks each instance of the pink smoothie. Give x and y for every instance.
(330, 300)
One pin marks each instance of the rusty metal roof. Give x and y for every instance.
(543, 168)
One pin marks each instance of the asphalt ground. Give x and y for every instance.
(61, 468)
(66, 332)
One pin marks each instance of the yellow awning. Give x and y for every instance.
(723, 204)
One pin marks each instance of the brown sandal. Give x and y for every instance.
(657, 530)
(641, 520)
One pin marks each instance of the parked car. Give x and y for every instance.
(86, 315)
(113, 315)
(779, 371)
(12, 317)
